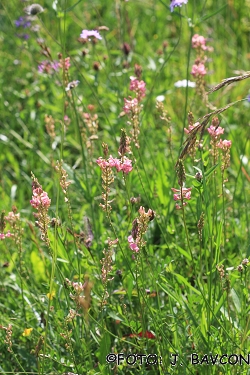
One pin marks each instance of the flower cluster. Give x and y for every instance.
(177, 3)
(133, 107)
(41, 202)
(181, 195)
(40, 199)
(8, 337)
(78, 287)
(139, 228)
(124, 164)
(106, 262)
(215, 131)
(198, 41)
(243, 265)
(64, 63)
(89, 132)
(63, 178)
(224, 144)
(198, 69)
(48, 67)
(89, 34)
(5, 235)
(139, 87)
(23, 22)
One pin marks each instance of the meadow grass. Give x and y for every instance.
(124, 238)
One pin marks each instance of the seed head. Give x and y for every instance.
(34, 9)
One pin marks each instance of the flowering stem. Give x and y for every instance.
(223, 207)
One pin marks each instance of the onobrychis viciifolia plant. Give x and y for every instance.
(199, 67)
(8, 337)
(89, 132)
(183, 194)
(3, 233)
(41, 202)
(133, 107)
(139, 228)
(106, 263)
(124, 164)
(63, 179)
(215, 131)
(80, 293)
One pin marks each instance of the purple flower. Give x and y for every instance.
(177, 3)
(23, 36)
(86, 34)
(22, 22)
(248, 98)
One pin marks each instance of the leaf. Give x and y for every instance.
(72, 7)
(210, 170)
(184, 281)
(104, 348)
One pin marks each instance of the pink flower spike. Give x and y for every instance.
(2, 236)
(138, 86)
(102, 163)
(130, 239)
(126, 166)
(224, 145)
(8, 234)
(215, 132)
(114, 162)
(86, 34)
(175, 190)
(134, 247)
(198, 70)
(199, 41)
(130, 105)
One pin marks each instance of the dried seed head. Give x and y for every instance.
(34, 9)
(181, 173)
(190, 118)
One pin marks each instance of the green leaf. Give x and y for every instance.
(210, 170)
(72, 7)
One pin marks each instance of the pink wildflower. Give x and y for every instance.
(40, 198)
(180, 195)
(48, 67)
(2, 236)
(102, 163)
(215, 131)
(114, 162)
(126, 166)
(64, 63)
(199, 41)
(191, 127)
(87, 34)
(8, 234)
(224, 145)
(139, 87)
(132, 244)
(198, 70)
(130, 105)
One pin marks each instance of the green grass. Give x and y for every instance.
(182, 293)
